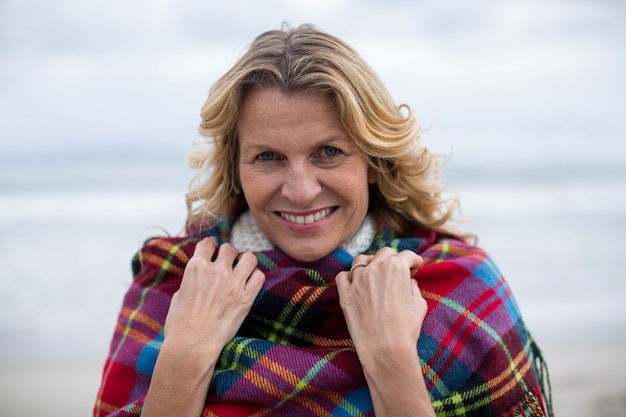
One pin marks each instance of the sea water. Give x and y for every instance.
(69, 227)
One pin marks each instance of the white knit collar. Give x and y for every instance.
(246, 236)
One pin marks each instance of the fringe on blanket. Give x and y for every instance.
(543, 376)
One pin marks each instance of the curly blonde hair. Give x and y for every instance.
(408, 193)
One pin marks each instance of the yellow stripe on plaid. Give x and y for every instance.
(473, 318)
(512, 375)
(174, 251)
(164, 264)
(144, 319)
(241, 347)
(434, 378)
(108, 408)
(444, 250)
(484, 390)
(299, 385)
(309, 295)
(133, 334)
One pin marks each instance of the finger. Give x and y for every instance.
(414, 287)
(412, 262)
(246, 264)
(206, 248)
(412, 259)
(255, 282)
(409, 258)
(383, 254)
(362, 259)
(343, 282)
(356, 266)
(227, 254)
(358, 262)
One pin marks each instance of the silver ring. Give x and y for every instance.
(357, 265)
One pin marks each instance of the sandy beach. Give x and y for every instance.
(588, 380)
(588, 377)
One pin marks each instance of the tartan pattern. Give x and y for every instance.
(293, 355)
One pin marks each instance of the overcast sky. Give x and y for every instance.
(520, 76)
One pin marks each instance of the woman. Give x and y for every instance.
(318, 275)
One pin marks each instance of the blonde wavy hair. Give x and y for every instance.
(408, 193)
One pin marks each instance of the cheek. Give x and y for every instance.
(359, 177)
(247, 185)
(352, 185)
(257, 189)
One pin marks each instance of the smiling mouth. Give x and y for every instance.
(308, 219)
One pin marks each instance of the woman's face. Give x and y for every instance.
(303, 178)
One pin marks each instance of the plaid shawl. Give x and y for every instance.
(293, 355)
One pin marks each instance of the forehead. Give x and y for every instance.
(269, 103)
(270, 114)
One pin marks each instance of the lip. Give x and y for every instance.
(306, 219)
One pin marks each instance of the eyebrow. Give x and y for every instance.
(262, 144)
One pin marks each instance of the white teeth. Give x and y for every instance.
(311, 218)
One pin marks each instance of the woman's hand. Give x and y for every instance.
(382, 304)
(214, 298)
(384, 311)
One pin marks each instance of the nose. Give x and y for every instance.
(301, 184)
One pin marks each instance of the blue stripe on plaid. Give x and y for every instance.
(239, 355)
(148, 356)
(355, 404)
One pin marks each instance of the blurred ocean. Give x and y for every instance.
(68, 230)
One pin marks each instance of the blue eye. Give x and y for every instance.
(330, 151)
(266, 156)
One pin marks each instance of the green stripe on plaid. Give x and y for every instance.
(473, 318)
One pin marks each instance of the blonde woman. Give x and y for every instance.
(319, 274)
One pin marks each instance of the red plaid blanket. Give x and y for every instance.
(293, 355)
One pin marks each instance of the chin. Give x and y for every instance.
(307, 255)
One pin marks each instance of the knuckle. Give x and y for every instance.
(386, 250)
(248, 257)
(198, 264)
(228, 248)
(360, 259)
(207, 242)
